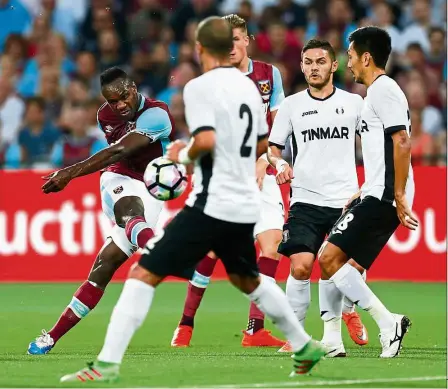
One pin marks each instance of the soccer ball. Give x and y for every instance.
(164, 179)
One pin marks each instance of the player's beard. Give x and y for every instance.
(320, 83)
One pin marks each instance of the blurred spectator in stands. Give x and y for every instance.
(383, 17)
(11, 111)
(50, 91)
(177, 110)
(146, 25)
(178, 79)
(109, 50)
(246, 11)
(86, 69)
(35, 140)
(280, 45)
(418, 31)
(159, 69)
(338, 16)
(8, 69)
(16, 48)
(186, 53)
(334, 38)
(140, 71)
(38, 33)
(430, 117)
(77, 145)
(76, 94)
(191, 10)
(51, 52)
(92, 107)
(231, 6)
(415, 58)
(436, 56)
(422, 144)
(14, 19)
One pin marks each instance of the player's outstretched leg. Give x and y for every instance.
(347, 279)
(272, 301)
(351, 318)
(131, 230)
(86, 298)
(196, 289)
(255, 334)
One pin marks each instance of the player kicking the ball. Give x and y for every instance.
(228, 128)
(138, 130)
(322, 122)
(268, 230)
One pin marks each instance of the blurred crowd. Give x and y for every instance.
(52, 51)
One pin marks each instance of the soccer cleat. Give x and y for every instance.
(42, 345)
(107, 372)
(334, 351)
(182, 336)
(261, 338)
(391, 340)
(307, 358)
(286, 348)
(356, 329)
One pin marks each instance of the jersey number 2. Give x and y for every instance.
(245, 150)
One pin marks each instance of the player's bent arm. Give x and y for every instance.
(123, 148)
(402, 160)
(262, 148)
(201, 143)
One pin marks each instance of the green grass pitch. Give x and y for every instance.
(216, 357)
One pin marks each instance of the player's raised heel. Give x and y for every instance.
(334, 351)
(391, 340)
(182, 336)
(95, 371)
(356, 329)
(307, 358)
(261, 338)
(42, 345)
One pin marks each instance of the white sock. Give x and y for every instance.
(348, 280)
(349, 306)
(127, 316)
(330, 305)
(272, 301)
(299, 297)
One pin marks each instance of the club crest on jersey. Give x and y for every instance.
(118, 189)
(130, 126)
(264, 86)
(340, 111)
(109, 128)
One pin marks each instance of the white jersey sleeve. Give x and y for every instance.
(281, 128)
(359, 108)
(199, 112)
(262, 127)
(390, 109)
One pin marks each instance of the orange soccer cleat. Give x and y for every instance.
(261, 338)
(182, 336)
(356, 329)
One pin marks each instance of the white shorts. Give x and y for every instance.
(115, 186)
(272, 216)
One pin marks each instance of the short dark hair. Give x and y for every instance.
(37, 100)
(215, 35)
(373, 40)
(414, 46)
(435, 30)
(236, 21)
(320, 44)
(112, 74)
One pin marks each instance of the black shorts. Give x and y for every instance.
(306, 228)
(190, 236)
(364, 230)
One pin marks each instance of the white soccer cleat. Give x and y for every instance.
(391, 340)
(42, 345)
(334, 351)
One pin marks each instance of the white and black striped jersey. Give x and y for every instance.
(385, 112)
(228, 102)
(323, 135)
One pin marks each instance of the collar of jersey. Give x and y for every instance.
(142, 102)
(250, 68)
(317, 98)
